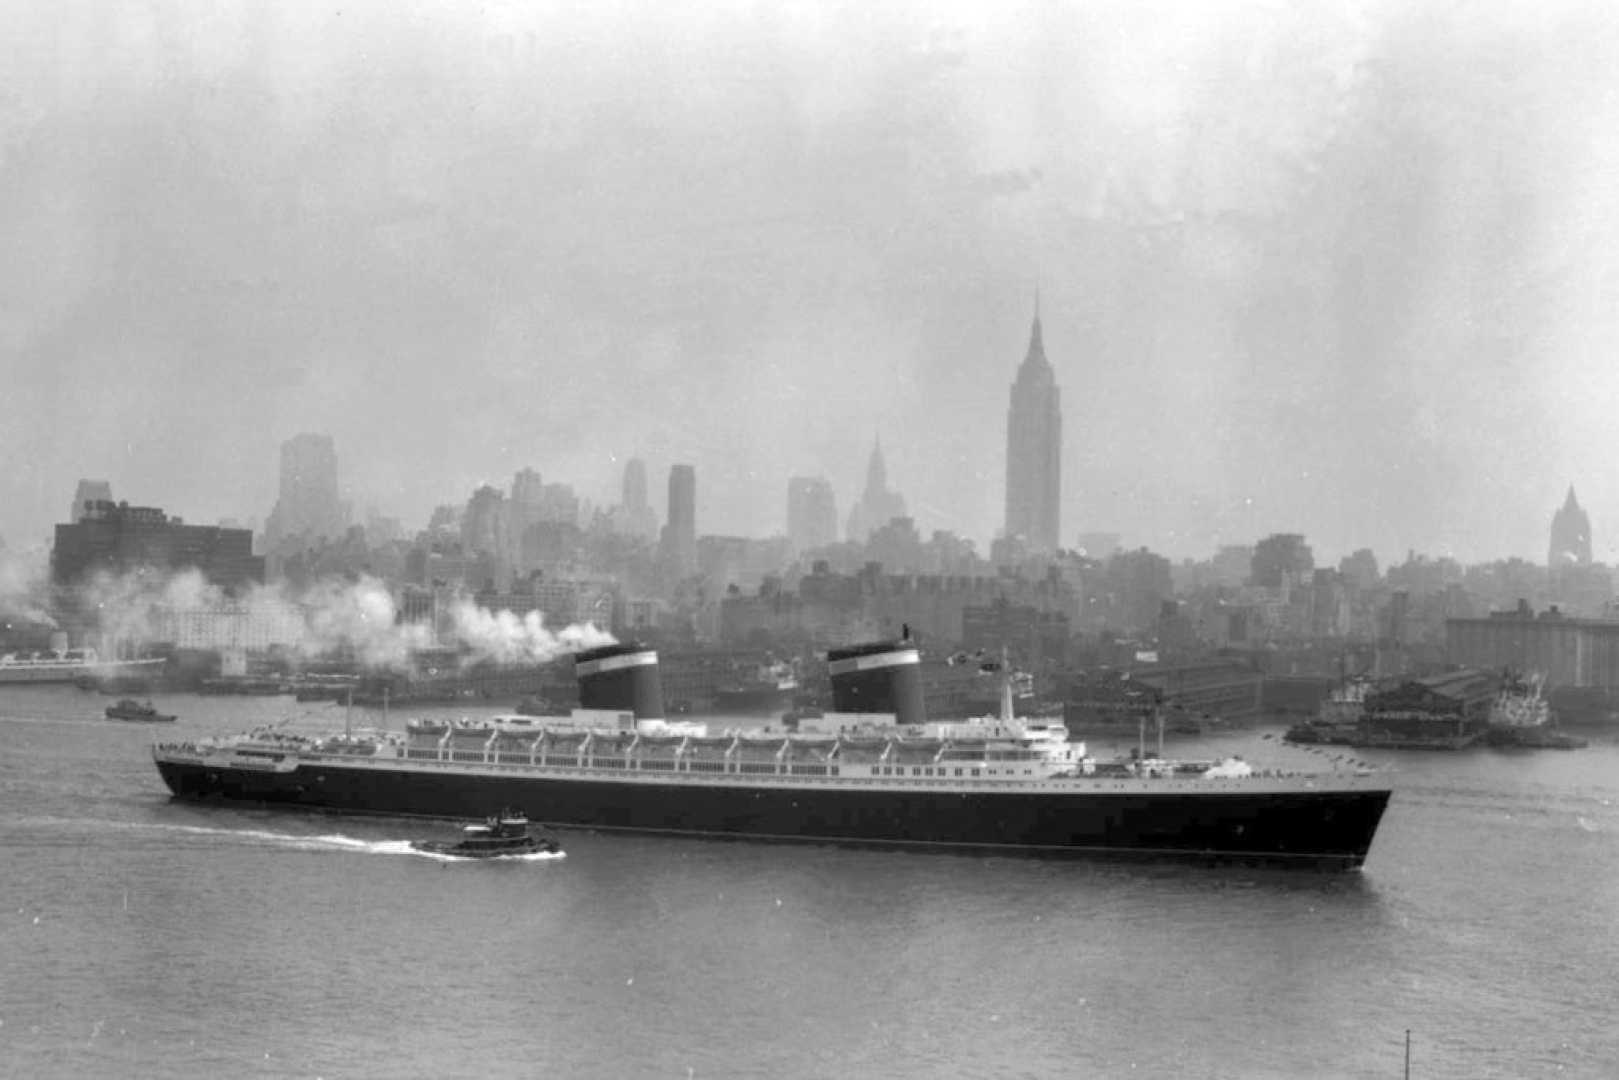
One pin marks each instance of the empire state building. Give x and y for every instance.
(1034, 450)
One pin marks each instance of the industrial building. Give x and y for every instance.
(117, 538)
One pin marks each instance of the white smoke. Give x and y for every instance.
(507, 638)
(360, 616)
(130, 607)
(24, 585)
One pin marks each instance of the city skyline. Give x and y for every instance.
(1570, 531)
(1346, 273)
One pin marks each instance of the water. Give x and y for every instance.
(140, 937)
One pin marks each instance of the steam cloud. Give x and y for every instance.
(507, 638)
(361, 616)
(23, 587)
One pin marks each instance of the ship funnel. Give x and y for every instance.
(622, 678)
(880, 677)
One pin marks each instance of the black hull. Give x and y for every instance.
(1314, 829)
(455, 849)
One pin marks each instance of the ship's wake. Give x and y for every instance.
(407, 847)
(532, 856)
(291, 841)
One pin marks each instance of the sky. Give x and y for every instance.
(1339, 268)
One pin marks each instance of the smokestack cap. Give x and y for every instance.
(602, 652)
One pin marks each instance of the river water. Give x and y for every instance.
(141, 937)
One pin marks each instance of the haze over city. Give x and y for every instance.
(1343, 269)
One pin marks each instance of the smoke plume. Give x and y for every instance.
(505, 637)
(24, 586)
(360, 617)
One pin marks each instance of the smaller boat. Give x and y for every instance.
(767, 687)
(536, 705)
(504, 834)
(130, 709)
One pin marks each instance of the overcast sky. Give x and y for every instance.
(1346, 269)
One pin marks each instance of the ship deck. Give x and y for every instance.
(785, 774)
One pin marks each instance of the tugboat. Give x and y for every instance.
(506, 833)
(130, 709)
(1521, 717)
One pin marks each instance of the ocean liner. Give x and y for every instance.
(872, 772)
(71, 665)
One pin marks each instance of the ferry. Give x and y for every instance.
(872, 771)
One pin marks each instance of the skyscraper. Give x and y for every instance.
(523, 507)
(877, 506)
(526, 487)
(88, 491)
(1279, 558)
(812, 514)
(633, 516)
(1571, 535)
(1034, 450)
(308, 507)
(484, 524)
(680, 532)
(634, 485)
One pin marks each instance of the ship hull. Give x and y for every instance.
(67, 672)
(752, 699)
(1316, 829)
